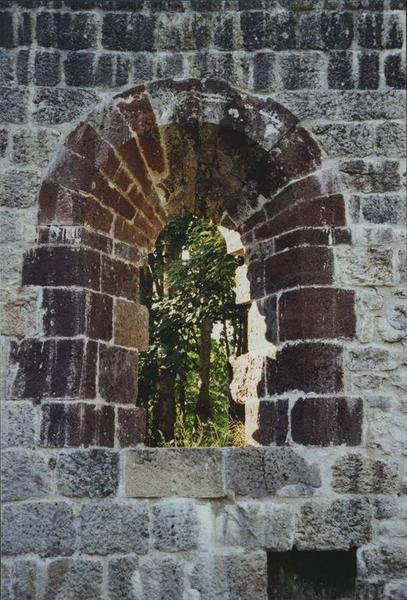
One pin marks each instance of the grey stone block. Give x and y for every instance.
(17, 424)
(45, 528)
(358, 474)
(188, 472)
(257, 524)
(19, 580)
(121, 572)
(340, 525)
(364, 266)
(18, 188)
(160, 577)
(6, 67)
(298, 71)
(261, 472)
(13, 104)
(384, 209)
(391, 139)
(237, 576)
(369, 177)
(58, 105)
(344, 139)
(175, 525)
(389, 559)
(34, 146)
(24, 475)
(93, 473)
(106, 528)
(74, 579)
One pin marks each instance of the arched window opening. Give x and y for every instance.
(196, 330)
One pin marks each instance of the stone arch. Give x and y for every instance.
(247, 163)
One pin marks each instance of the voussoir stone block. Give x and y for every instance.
(107, 528)
(45, 528)
(93, 473)
(340, 525)
(187, 472)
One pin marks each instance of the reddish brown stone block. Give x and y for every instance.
(62, 266)
(97, 425)
(60, 425)
(255, 275)
(128, 233)
(120, 278)
(64, 312)
(130, 153)
(299, 266)
(320, 212)
(148, 207)
(61, 368)
(317, 313)
(67, 235)
(96, 216)
(86, 142)
(131, 426)
(268, 308)
(141, 118)
(271, 421)
(327, 421)
(117, 374)
(99, 316)
(302, 237)
(60, 205)
(307, 367)
(76, 424)
(111, 197)
(295, 156)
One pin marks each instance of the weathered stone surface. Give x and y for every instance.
(340, 525)
(261, 472)
(255, 525)
(18, 422)
(18, 188)
(357, 474)
(107, 528)
(373, 358)
(34, 146)
(241, 576)
(77, 579)
(53, 106)
(369, 177)
(93, 473)
(120, 573)
(391, 139)
(388, 559)
(19, 580)
(364, 266)
(174, 525)
(25, 475)
(248, 377)
(343, 139)
(45, 528)
(188, 472)
(131, 325)
(159, 577)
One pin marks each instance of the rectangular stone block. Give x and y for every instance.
(187, 472)
(131, 426)
(25, 474)
(74, 578)
(266, 422)
(175, 525)
(316, 313)
(18, 579)
(120, 278)
(118, 374)
(299, 266)
(107, 528)
(339, 525)
(87, 473)
(355, 473)
(18, 424)
(44, 528)
(131, 325)
(327, 421)
(62, 266)
(308, 367)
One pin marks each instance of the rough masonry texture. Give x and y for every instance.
(283, 122)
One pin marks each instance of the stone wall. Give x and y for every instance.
(325, 376)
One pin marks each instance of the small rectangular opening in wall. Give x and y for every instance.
(316, 575)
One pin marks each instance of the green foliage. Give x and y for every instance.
(206, 434)
(190, 277)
